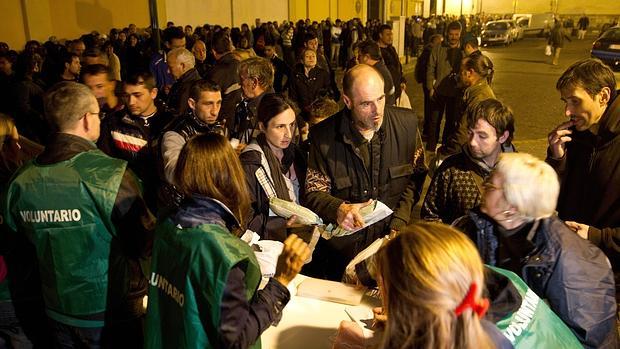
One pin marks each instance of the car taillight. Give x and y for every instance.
(596, 45)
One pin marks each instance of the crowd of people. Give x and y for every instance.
(130, 171)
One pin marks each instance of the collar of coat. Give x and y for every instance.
(351, 135)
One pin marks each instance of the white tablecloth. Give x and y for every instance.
(310, 323)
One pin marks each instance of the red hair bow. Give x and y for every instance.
(469, 301)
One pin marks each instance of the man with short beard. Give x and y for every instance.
(585, 152)
(205, 101)
(368, 151)
(391, 59)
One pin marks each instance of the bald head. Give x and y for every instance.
(365, 97)
(360, 72)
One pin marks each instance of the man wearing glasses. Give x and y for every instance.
(455, 188)
(66, 214)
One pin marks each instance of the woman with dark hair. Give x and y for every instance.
(476, 75)
(274, 165)
(204, 278)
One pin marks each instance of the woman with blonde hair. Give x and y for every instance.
(431, 280)
(204, 279)
(15, 149)
(516, 228)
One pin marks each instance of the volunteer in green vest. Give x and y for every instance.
(78, 217)
(204, 278)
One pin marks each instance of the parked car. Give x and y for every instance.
(498, 32)
(607, 47)
(538, 23)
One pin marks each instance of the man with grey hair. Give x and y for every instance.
(256, 76)
(181, 64)
(66, 214)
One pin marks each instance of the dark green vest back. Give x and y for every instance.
(65, 210)
(534, 325)
(188, 276)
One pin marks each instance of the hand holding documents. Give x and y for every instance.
(371, 215)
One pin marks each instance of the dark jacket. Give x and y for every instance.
(471, 97)
(136, 140)
(29, 117)
(388, 84)
(392, 62)
(225, 73)
(179, 93)
(280, 70)
(590, 183)
(244, 125)
(344, 167)
(571, 274)
(305, 89)
(557, 36)
(455, 188)
(442, 70)
(421, 65)
(270, 228)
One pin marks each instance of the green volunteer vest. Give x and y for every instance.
(188, 275)
(5, 294)
(65, 210)
(534, 325)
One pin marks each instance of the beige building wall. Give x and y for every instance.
(183, 12)
(12, 29)
(246, 11)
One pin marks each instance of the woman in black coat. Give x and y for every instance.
(309, 82)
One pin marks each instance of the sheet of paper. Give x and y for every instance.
(331, 291)
(364, 317)
(380, 212)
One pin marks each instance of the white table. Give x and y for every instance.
(309, 323)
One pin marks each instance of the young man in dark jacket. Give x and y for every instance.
(585, 152)
(134, 135)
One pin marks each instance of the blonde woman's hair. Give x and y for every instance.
(529, 184)
(425, 273)
(6, 128)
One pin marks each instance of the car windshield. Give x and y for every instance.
(497, 26)
(613, 34)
